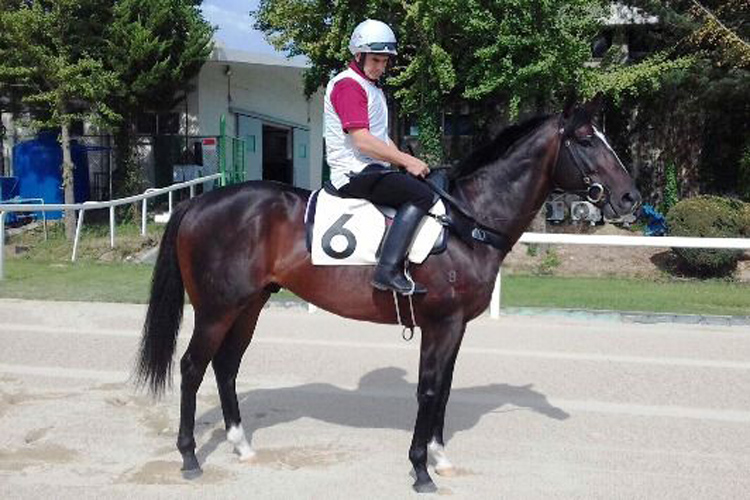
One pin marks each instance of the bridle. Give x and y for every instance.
(594, 192)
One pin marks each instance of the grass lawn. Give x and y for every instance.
(127, 282)
(620, 294)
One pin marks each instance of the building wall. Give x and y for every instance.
(272, 92)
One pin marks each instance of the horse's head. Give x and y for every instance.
(587, 164)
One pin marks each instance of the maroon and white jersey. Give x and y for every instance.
(352, 101)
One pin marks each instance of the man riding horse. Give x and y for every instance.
(362, 157)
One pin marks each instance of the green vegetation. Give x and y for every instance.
(43, 271)
(712, 217)
(125, 282)
(617, 294)
(93, 246)
(508, 54)
(80, 281)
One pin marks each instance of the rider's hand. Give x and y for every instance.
(415, 166)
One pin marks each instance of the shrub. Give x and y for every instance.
(743, 174)
(671, 191)
(712, 217)
(746, 220)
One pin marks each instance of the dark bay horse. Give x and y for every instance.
(230, 249)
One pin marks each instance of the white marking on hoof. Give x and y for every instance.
(236, 436)
(443, 466)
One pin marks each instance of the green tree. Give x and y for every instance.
(522, 53)
(47, 62)
(154, 47)
(689, 98)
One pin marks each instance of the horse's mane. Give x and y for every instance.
(497, 147)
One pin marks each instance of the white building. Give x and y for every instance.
(262, 97)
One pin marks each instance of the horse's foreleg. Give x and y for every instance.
(226, 364)
(436, 447)
(439, 346)
(206, 339)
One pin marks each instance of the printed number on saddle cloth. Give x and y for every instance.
(336, 235)
(348, 232)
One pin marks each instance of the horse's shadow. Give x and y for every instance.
(384, 399)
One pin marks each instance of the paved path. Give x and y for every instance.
(542, 407)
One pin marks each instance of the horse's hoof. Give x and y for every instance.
(445, 471)
(424, 487)
(192, 473)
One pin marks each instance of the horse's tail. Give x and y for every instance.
(164, 312)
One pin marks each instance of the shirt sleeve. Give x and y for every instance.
(349, 100)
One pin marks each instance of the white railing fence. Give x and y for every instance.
(543, 238)
(625, 241)
(622, 241)
(96, 205)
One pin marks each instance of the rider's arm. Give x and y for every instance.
(373, 147)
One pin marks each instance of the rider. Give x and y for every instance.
(362, 157)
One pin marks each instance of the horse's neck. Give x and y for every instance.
(506, 194)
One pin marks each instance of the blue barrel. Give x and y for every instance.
(8, 188)
(37, 164)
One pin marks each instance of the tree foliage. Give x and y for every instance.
(689, 99)
(154, 47)
(103, 59)
(520, 52)
(46, 60)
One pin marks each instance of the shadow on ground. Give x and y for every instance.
(384, 399)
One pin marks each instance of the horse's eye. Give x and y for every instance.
(585, 142)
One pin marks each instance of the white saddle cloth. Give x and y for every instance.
(348, 231)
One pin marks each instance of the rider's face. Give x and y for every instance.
(375, 65)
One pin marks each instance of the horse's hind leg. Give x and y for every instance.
(208, 335)
(226, 364)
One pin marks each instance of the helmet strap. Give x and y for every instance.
(361, 61)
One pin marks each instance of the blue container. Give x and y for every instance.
(8, 188)
(37, 164)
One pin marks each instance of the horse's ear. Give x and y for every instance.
(570, 105)
(593, 106)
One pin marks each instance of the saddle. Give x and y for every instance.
(349, 231)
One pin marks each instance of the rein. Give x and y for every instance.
(479, 232)
(483, 233)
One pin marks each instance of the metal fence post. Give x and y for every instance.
(496, 295)
(81, 213)
(223, 151)
(112, 226)
(144, 207)
(170, 202)
(2, 244)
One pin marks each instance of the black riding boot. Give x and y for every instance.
(389, 273)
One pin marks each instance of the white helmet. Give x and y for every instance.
(374, 37)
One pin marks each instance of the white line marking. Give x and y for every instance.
(512, 353)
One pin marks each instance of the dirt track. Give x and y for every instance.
(541, 408)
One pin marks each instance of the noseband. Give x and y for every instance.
(593, 191)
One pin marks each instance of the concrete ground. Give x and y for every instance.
(542, 407)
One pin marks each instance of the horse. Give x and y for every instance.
(231, 248)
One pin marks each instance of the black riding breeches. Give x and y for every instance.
(392, 188)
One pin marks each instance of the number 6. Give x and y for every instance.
(338, 229)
